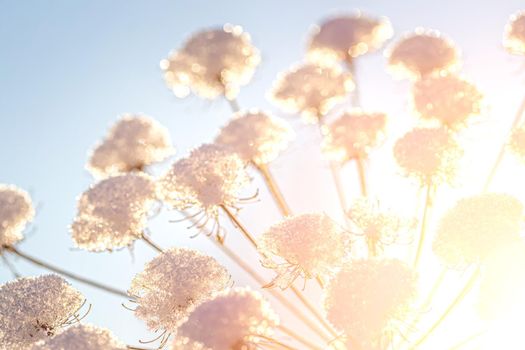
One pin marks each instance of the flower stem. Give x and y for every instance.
(299, 338)
(152, 244)
(234, 105)
(361, 174)
(424, 219)
(274, 189)
(240, 226)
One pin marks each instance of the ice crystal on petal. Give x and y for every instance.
(16, 210)
(212, 63)
(131, 144)
(82, 337)
(233, 320)
(173, 284)
(33, 308)
(514, 39)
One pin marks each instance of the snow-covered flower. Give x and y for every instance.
(353, 135)
(346, 37)
(173, 284)
(367, 297)
(82, 337)
(311, 90)
(476, 226)
(33, 308)
(517, 142)
(430, 155)
(256, 136)
(514, 38)
(131, 144)
(113, 213)
(16, 211)
(236, 319)
(422, 53)
(307, 245)
(212, 63)
(447, 98)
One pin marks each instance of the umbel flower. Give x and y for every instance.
(173, 284)
(344, 38)
(307, 245)
(33, 308)
(311, 90)
(517, 142)
(353, 135)
(113, 213)
(448, 99)
(256, 136)
(514, 38)
(212, 63)
(430, 155)
(16, 210)
(237, 319)
(82, 337)
(134, 142)
(476, 226)
(367, 297)
(421, 54)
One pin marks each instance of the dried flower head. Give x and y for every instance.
(353, 135)
(430, 155)
(514, 38)
(212, 63)
(476, 226)
(421, 54)
(307, 245)
(33, 308)
(517, 142)
(449, 99)
(237, 319)
(173, 284)
(256, 136)
(130, 145)
(367, 297)
(311, 90)
(16, 210)
(344, 38)
(113, 213)
(82, 337)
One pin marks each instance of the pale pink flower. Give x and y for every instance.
(16, 211)
(514, 38)
(183, 343)
(212, 63)
(132, 143)
(517, 142)
(82, 337)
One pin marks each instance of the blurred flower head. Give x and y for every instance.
(421, 54)
(183, 343)
(476, 226)
(514, 38)
(237, 319)
(173, 284)
(113, 213)
(16, 211)
(353, 135)
(256, 136)
(307, 245)
(311, 90)
(344, 38)
(212, 63)
(517, 142)
(82, 337)
(33, 308)
(133, 143)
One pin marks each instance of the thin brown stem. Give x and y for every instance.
(298, 337)
(275, 342)
(361, 174)
(274, 189)
(424, 219)
(152, 244)
(240, 226)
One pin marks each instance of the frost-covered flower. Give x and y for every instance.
(134, 142)
(173, 284)
(256, 136)
(212, 63)
(183, 343)
(236, 319)
(344, 38)
(449, 99)
(367, 297)
(210, 177)
(311, 90)
(517, 142)
(113, 213)
(82, 337)
(430, 155)
(33, 308)
(476, 226)
(353, 135)
(16, 210)
(421, 54)
(514, 38)
(307, 245)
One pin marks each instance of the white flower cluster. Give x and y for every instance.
(82, 337)
(514, 39)
(16, 210)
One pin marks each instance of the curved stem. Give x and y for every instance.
(297, 337)
(240, 226)
(361, 174)
(274, 189)
(422, 233)
(152, 244)
(65, 273)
